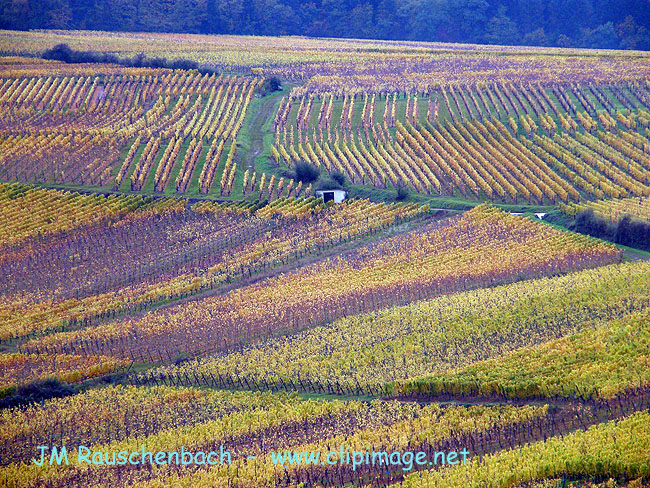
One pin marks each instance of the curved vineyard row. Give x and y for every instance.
(365, 354)
(484, 247)
(102, 270)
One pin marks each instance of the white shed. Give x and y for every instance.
(332, 195)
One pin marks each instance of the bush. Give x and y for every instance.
(37, 391)
(270, 85)
(587, 223)
(180, 358)
(305, 172)
(329, 184)
(338, 177)
(402, 194)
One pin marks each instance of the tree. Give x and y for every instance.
(334, 12)
(361, 23)
(603, 37)
(502, 30)
(565, 23)
(587, 222)
(468, 18)
(564, 41)
(428, 19)
(212, 20)
(16, 15)
(231, 12)
(632, 35)
(59, 17)
(270, 17)
(388, 22)
(329, 184)
(536, 38)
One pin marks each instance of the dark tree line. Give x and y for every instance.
(623, 24)
(63, 52)
(625, 231)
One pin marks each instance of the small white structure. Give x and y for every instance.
(337, 196)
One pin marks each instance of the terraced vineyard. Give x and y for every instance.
(540, 141)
